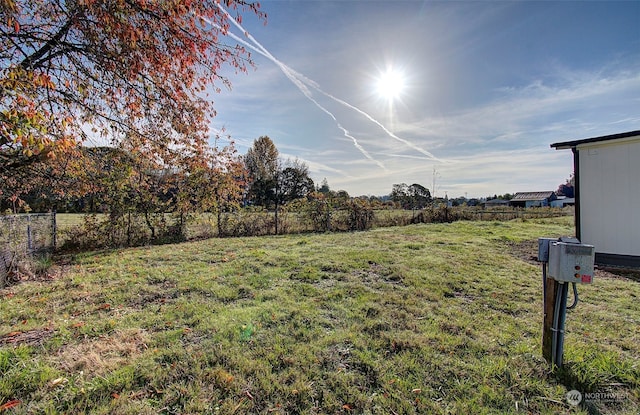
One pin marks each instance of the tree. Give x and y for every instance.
(262, 164)
(134, 191)
(130, 71)
(43, 184)
(415, 196)
(400, 194)
(295, 182)
(419, 195)
(567, 188)
(324, 186)
(225, 182)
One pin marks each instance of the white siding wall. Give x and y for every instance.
(610, 196)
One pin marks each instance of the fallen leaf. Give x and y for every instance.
(416, 390)
(114, 395)
(9, 405)
(58, 381)
(347, 407)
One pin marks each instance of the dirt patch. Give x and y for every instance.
(619, 273)
(34, 337)
(525, 250)
(378, 274)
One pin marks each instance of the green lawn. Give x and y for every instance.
(423, 319)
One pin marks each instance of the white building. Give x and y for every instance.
(607, 193)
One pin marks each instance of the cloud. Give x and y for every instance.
(480, 98)
(522, 116)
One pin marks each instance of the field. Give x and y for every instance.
(422, 319)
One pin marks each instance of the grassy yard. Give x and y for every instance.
(423, 319)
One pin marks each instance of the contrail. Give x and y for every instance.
(302, 87)
(315, 86)
(301, 81)
(289, 73)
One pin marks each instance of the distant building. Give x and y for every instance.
(563, 201)
(607, 195)
(533, 199)
(495, 203)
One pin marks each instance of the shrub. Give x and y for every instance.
(318, 214)
(130, 229)
(247, 223)
(360, 215)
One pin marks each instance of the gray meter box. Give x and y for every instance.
(571, 262)
(543, 248)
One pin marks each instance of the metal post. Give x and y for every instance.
(29, 236)
(54, 230)
(560, 329)
(550, 292)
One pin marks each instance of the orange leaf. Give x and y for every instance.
(115, 395)
(9, 405)
(347, 407)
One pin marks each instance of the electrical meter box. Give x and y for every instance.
(543, 248)
(571, 262)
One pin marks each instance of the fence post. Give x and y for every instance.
(550, 288)
(29, 236)
(54, 229)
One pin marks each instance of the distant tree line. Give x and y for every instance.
(147, 200)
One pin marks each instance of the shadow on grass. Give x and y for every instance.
(632, 274)
(595, 398)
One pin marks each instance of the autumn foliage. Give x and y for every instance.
(133, 74)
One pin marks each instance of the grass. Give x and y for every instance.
(431, 318)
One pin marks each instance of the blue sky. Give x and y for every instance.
(488, 86)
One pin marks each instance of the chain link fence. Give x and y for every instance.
(23, 237)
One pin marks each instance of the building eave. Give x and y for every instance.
(573, 144)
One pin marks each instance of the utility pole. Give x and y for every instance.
(433, 185)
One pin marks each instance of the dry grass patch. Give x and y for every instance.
(98, 356)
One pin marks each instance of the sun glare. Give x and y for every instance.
(390, 84)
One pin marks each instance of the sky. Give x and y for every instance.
(481, 90)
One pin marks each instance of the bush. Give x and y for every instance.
(247, 223)
(317, 213)
(360, 215)
(130, 229)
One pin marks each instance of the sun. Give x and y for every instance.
(390, 84)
